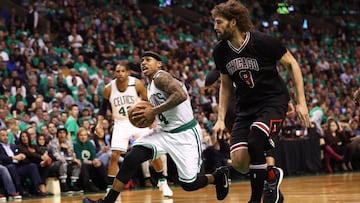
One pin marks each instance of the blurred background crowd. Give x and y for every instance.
(56, 56)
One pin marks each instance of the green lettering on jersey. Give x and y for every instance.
(123, 111)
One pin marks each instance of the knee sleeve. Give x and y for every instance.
(133, 159)
(200, 182)
(256, 143)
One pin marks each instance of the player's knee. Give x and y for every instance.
(256, 143)
(200, 182)
(256, 140)
(253, 148)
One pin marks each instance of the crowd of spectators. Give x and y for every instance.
(52, 79)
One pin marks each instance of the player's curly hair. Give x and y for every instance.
(234, 9)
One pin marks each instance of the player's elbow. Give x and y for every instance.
(182, 96)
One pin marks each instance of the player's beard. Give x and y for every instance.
(226, 34)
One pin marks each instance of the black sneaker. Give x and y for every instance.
(92, 188)
(76, 189)
(221, 176)
(87, 200)
(272, 192)
(65, 189)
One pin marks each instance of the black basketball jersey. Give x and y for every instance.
(253, 68)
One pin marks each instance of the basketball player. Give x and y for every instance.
(177, 133)
(123, 92)
(249, 60)
(273, 171)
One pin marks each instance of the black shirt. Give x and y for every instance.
(253, 68)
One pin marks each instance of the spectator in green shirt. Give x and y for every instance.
(93, 173)
(72, 122)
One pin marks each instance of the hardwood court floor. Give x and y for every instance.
(336, 188)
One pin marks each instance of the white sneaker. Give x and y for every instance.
(164, 187)
(15, 197)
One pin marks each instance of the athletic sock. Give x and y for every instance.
(257, 177)
(111, 196)
(160, 175)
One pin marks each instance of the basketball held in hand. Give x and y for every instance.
(137, 122)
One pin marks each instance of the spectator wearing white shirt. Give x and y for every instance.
(200, 80)
(37, 39)
(323, 64)
(3, 54)
(71, 76)
(75, 40)
(347, 75)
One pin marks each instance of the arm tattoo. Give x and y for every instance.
(168, 84)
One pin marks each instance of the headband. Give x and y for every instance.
(152, 54)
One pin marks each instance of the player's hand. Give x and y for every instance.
(144, 114)
(153, 125)
(219, 130)
(291, 110)
(99, 130)
(303, 114)
(356, 97)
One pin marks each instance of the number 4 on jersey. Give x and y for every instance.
(163, 119)
(124, 111)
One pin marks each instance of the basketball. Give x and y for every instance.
(139, 106)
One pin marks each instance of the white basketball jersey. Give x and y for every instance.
(122, 101)
(175, 117)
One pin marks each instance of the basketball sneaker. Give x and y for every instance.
(164, 188)
(221, 176)
(272, 192)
